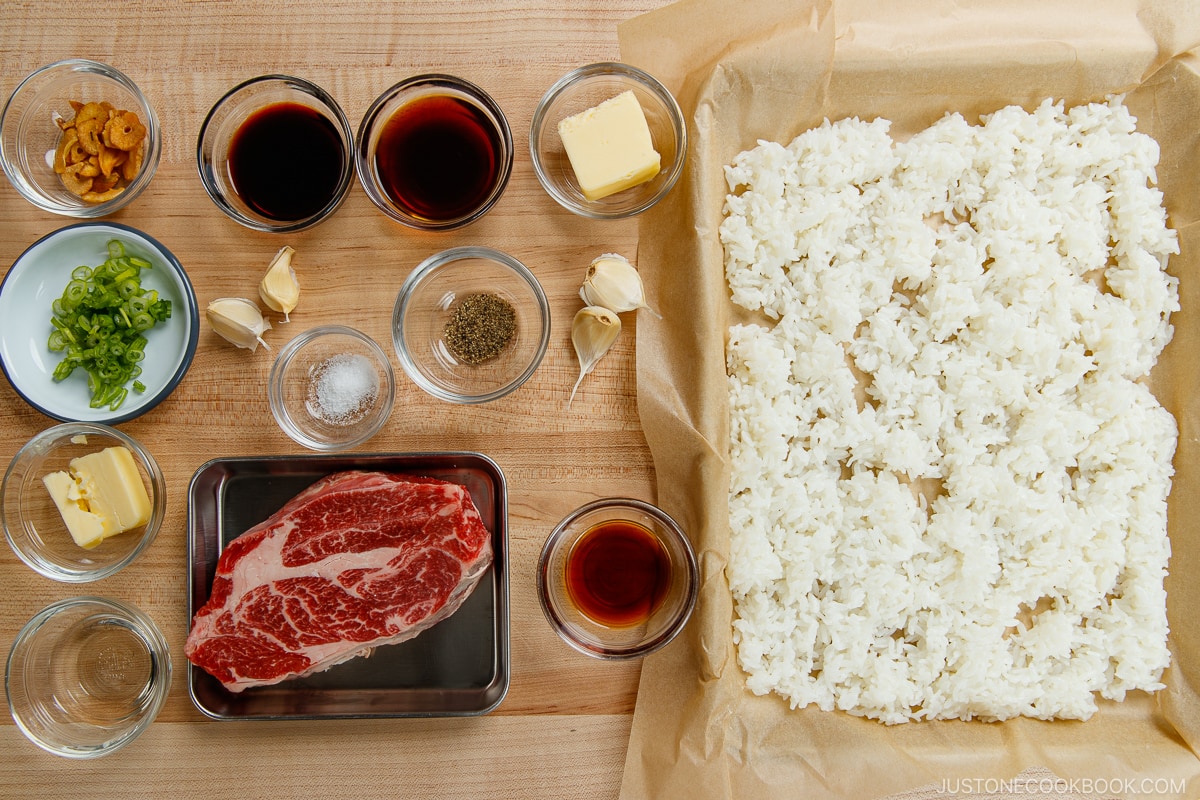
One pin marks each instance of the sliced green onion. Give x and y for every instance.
(99, 324)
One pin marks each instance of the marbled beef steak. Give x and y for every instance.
(357, 560)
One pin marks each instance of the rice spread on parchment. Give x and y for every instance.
(949, 481)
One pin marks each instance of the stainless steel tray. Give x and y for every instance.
(459, 667)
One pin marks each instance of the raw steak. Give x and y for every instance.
(357, 560)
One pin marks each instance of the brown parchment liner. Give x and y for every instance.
(770, 69)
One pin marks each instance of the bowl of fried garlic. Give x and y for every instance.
(79, 138)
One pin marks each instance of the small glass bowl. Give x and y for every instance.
(33, 525)
(28, 133)
(429, 300)
(229, 114)
(331, 388)
(572, 565)
(86, 676)
(586, 88)
(438, 133)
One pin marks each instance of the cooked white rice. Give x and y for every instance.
(949, 485)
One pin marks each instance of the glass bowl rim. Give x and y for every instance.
(371, 118)
(538, 123)
(340, 193)
(158, 498)
(147, 629)
(287, 355)
(151, 156)
(691, 568)
(421, 273)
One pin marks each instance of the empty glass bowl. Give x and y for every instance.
(29, 135)
(585, 88)
(331, 388)
(274, 154)
(86, 676)
(617, 579)
(471, 324)
(434, 152)
(33, 525)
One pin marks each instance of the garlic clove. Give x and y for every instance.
(239, 321)
(279, 288)
(613, 283)
(593, 332)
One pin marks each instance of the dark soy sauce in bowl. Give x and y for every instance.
(285, 161)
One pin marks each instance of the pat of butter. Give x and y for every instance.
(101, 496)
(609, 146)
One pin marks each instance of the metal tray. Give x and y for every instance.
(459, 667)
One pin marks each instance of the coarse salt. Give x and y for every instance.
(343, 389)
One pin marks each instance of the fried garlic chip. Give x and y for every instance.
(100, 151)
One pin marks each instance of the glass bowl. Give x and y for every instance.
(86, 676)
(40, 275)
(331, 388)
(33, 525)
(29, 135)
(256, 150)
(586, 88)
(436, 309)
(617, 579)
(434, 152)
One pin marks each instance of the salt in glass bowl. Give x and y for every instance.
(86, 676)
(617, 579)
(223, 122)
(587, 87)
(456, 152)
(35, 529)
(434, 294)
(331, 388)
(28, 133)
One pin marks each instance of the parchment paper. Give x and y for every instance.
(770, 69)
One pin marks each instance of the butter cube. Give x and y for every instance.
(609, 146)
(87, 529)
(102, 495)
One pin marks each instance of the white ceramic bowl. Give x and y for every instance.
(38, 277)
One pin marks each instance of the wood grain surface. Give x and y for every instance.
(563, 728)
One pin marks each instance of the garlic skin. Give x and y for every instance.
(238, 320)
(613, 283)
(279, 288)
(593, 332)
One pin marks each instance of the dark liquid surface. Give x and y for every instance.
(438, 157)
(618, 573)
(285, 161)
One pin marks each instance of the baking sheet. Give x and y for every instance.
(459, 667)
(770, 69)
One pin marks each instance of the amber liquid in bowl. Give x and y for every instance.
(439, 157)
(618, 574)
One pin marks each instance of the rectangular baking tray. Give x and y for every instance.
(459, 667)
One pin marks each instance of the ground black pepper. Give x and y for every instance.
(479, 328)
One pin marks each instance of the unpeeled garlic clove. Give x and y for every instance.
(593, 332)
(239, 321)
(613, 283)
(279, 288)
